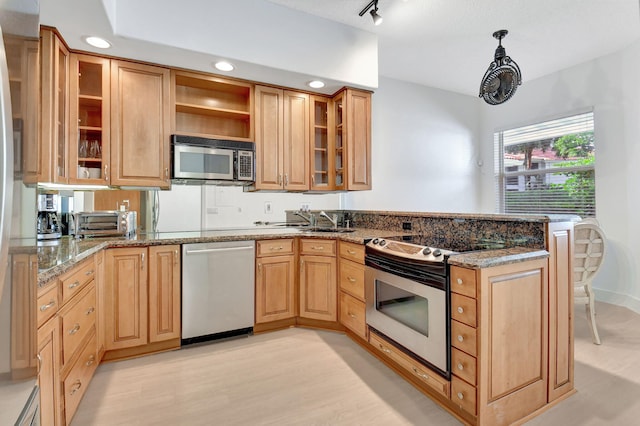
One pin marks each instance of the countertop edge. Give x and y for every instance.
(491, 258)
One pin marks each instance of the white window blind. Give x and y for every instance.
(547, 168)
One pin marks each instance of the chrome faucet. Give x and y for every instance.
(334, 220)
(311, 218)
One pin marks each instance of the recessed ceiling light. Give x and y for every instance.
(224, 66)
(316, 84)
(97, 42)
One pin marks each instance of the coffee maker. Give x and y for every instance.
(48, 217)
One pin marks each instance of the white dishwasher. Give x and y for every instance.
(217, 290)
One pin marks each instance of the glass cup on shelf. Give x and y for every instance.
(94, 149)
(83, 148)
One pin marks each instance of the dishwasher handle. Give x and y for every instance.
(214, 250)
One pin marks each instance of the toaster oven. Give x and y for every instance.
(104, 223)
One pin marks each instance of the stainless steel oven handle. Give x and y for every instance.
(214, 250)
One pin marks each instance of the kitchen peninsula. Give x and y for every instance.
(510, 329)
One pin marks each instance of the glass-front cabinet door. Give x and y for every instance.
(338, 148)
(89, 111)
(322, 161)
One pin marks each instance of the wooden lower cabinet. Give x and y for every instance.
(318, 280)
(351, 286)
(141, 297)
(48, 374)
(275, 288)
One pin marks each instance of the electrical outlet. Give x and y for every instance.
(268, 208)
(305, 207)
(406, 226)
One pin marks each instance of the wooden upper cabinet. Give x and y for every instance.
(89, 141)
(140, 125)
(211, 107)
(322, 163)
(353, 140)
(282, 139)
(54, 114)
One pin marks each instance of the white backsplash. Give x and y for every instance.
(193, 208)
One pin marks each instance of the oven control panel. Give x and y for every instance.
(408, 250)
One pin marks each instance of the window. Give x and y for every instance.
(547, 168)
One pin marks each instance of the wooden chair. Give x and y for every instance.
(589, 249)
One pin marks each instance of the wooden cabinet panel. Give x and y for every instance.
(275, 287)
(48, 374)
(318, 288)
(274, 247)
(77, 318)
(77, 380)
(296, 141)
(463, 281)
(24, 268)
(463, 309)
(126, 297)
(140, 125)
(317, 247)
(352, 314)
(464, 366)
(74, 281)
(164, 292)
(322, 162)
(561, 307)
(54, 112)
(464, 337)
(351, 278)
(351, 251)
(514, 350)
(464, 395)
(358, 141)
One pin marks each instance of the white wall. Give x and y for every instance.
(424, 151)
(609, 85)
(192, 208)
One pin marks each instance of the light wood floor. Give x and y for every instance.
(311, 377)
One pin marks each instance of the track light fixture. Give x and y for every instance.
(377, 19)
(503, 76)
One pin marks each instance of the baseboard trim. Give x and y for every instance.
(620, 299)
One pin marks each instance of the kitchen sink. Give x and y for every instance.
(328, 229)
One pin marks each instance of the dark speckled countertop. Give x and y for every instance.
(57, 257)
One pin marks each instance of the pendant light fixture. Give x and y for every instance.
(377, 19)
(503, 76)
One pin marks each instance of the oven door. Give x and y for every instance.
(197, 162)
(412, 314)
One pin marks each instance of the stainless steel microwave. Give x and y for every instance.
(201, 160)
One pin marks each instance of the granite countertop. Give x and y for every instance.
(57, 257)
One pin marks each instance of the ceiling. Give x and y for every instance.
(447, 44)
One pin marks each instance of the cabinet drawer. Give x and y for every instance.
(352, 314)
(352, 278)
(48, 304)
(78, 318)
(73, 281)
(274, 247)
(463, 281)
(463, 309)
(463, 395)
(318, 247)
(424, 374)
(463, 365)
(76, 382)
(351, 251)
(463, 337)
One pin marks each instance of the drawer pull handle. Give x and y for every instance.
(460, 310)
(39, 357)
(460, 395)
(47, 306)
(460, 338)
(276, 248)
(74, 330)
(420, 374)
(352, 315)
(317, 248)
(91, 360)
(351, 279)
(384, 349)
(75, 387)
(89, 272)
(90, 311)
(459, 281)
(460, 366)
(351, 251)
(74, 285)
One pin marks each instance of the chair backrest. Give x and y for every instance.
(589, 250)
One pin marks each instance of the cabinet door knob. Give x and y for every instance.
(459, 281)
(460, 366)
(460, 338)
(460, 395)
(460, 310)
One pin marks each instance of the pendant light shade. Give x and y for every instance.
(503, 76)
